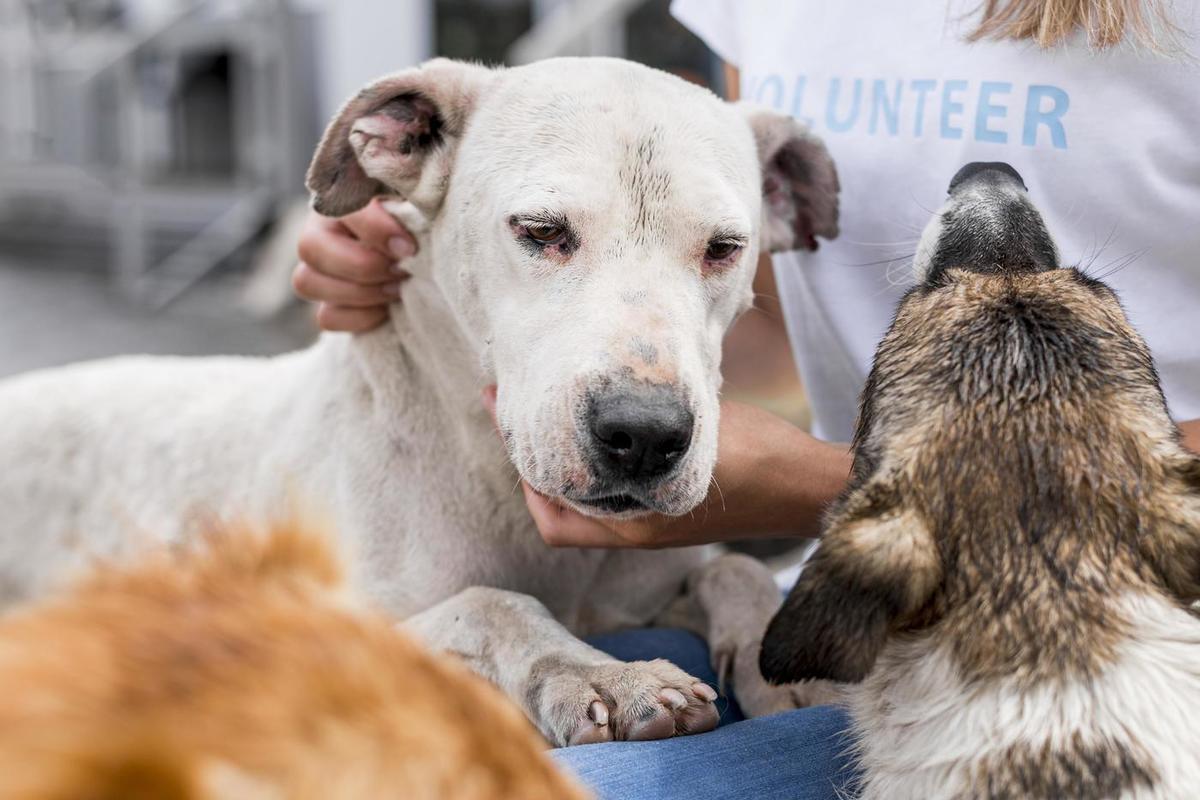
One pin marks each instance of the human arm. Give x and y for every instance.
(1191, 434)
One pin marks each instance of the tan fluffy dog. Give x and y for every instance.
(241, 670)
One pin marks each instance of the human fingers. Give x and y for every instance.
(311, 284)
(375, 227)
(331, 248)
(350, 320)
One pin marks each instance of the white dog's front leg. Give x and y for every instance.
(729, 601)
(574, 693)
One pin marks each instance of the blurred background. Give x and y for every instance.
(152, 155)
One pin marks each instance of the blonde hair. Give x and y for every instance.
(1146, 23)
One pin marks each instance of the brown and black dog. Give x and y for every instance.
(1007, 580)
(243, 670)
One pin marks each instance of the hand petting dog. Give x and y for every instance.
(352, 267)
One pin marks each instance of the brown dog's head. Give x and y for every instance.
(1015, 466)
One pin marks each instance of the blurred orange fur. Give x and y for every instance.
(241, 669)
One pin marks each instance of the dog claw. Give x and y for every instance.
(598, 712)
(595, 729)
(672, 699)
(704, 692)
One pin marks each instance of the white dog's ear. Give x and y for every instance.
(396, 136)
(800, 182)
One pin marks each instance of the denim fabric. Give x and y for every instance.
(800, 755)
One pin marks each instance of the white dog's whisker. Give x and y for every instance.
(720, 493)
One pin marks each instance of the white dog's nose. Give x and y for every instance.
(639, 432)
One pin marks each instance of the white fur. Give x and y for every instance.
(921, 729)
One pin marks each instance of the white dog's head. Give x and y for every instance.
(595, 224)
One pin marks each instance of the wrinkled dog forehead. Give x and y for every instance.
(566, 121)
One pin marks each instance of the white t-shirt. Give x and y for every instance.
(1109, 145)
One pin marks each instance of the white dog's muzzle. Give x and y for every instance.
(635, 437)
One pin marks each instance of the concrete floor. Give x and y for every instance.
(52, 315)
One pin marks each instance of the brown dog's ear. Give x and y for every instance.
(800, 182)
(867, 574)
(1190, 514)
(396, 136)
(1172, 542)
(1189, 472)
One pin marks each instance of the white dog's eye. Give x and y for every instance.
(544, 232)
(721, 249)
(544, 235)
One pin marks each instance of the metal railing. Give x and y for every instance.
(77, 104)
(575, 28)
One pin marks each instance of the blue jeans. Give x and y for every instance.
(800, 755)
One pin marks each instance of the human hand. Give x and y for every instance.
(351, 267)
(771, 478)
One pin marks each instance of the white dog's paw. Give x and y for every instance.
(758, 698)
(575, 703)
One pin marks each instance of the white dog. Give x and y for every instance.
(588, 231)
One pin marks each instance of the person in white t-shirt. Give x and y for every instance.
(1095, 103)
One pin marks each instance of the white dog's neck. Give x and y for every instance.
(430, 317)
(424, 362)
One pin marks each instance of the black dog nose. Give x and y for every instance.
(978, 170)
(640, 432)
